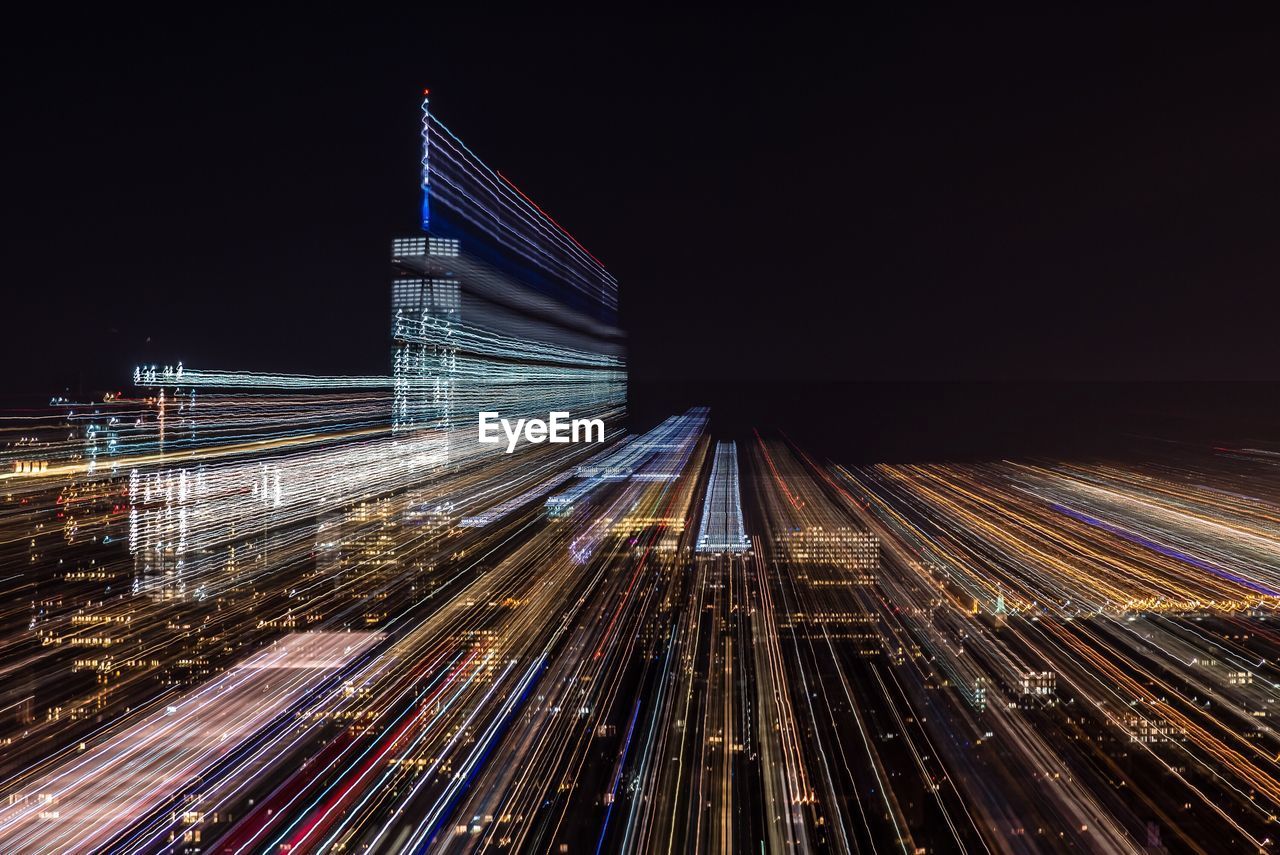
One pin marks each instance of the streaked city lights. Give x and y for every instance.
(261, 612)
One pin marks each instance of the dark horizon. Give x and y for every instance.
(882, 197)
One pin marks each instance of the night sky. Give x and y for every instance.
(915, 196)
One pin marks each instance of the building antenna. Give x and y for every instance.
(426, 163)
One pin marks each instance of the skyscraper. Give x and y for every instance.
(495, 307)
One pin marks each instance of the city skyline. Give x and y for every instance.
(1037, 197)
(883, 497)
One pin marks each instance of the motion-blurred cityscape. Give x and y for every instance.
(256, 612)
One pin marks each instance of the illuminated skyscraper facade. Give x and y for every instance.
(722, 528)
(495, 307)
(425, 298)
